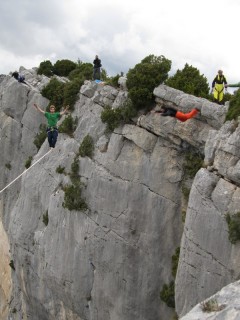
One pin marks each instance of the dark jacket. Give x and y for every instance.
(97, 63)
(219, 80)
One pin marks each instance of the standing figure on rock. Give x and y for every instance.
(52, 119)
(171, 112)
(218, 85)
(97, 68)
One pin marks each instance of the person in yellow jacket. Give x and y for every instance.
(218, 85)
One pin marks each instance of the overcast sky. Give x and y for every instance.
(203, 33)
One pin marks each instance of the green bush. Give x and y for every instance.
(45, 218)
(8, 166)
(87, 147)
(175, 259)
(233, 222)
(71, 91)
(28, 162)
(190, 81)
(64, 67)
(41, 136)
(167, 294)
(60, 169)
(54, 91)
(68, 125)
(113, 81)
(73, 198)
(115, 117)
(186, 191)
(192, 163)
(234, 106)
(144, 77)
(211, 305)
(45, 68)
(84, 71)
(73, 193)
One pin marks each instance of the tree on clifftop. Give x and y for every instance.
(63, 67)
(144, 77)
(190, 81)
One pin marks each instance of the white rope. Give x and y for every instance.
(25, 171)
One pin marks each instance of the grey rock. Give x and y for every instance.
(226, 304)
(112, 260)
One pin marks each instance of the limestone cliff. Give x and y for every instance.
(112, 260)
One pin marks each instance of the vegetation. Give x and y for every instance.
(63, 67)
(87, 147)
(234, 106)
(73, 198)
(175, 259)
(73, 193)
(60, 169)
(190, 81)
(68, 125)
(83, 71)
(74, 176)
(193, 162)
(233, 222)
(144, 77)
(28, 162)
(45, 68)
(45, 218)
(211, 305)
(186, 191)
(113, 81)
(8, 166)
(115, 117)
(54, 91)
(41, 136)
(167, 294)
(11, 264)
(71, 91)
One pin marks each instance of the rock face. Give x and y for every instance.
(111, 260)
(224, 305)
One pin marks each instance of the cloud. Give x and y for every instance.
(122, 33)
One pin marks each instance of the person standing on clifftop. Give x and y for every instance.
(96, 68)
(218, 85)
(52, 119)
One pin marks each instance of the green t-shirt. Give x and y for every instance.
(52, 118)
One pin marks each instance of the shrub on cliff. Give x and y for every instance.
(234, 106)
(115, 117)
(87, 147)
(63, 67)
(68, 125)
(71, 91)
(73, 193)
(54, 92)
(41, 136)
(233, 222)
(83, 71)
(144, 77)
(45, 68)
(189, 81)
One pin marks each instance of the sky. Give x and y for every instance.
(203, 34)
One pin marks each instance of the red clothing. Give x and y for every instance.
(185, 116)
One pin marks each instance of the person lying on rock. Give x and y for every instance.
(52, 119)
(18, 77)
(171, 112)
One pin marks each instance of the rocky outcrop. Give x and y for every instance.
(111, 260)
(224, 305)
